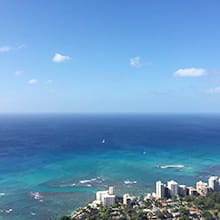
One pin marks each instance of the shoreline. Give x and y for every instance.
(176, 195)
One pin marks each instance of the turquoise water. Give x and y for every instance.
(52, 164)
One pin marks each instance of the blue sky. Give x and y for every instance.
(110, 56)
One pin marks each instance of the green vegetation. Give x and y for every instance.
(209, 205)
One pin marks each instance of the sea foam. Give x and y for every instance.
(171, 166)
(130, 182)
(36, 196)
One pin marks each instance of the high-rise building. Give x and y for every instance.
(173, 188)
(100, 194)
(182, 190)
(192, 191)
(166, 192)
(214, 183)
(111, 190)
(202, 188)
(126, 199)
(160, 192)
(106, 198)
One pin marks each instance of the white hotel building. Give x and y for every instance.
(106, 198)
(214, 183)
(160, 190)
(173, 188)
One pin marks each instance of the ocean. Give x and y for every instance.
(51, 164)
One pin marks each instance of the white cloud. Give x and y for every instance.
(213, 91)
(58, 58)
(4, 49)
(32, 81)
(19, 72)
(190, 72)
(135, 62)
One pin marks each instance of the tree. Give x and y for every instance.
(183, 211)
(217, 206)
(207, 215)
(141, 216)
(160, 215)
(184, 218)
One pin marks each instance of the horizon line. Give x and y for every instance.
(110, 113)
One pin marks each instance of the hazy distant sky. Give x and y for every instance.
(109, 56)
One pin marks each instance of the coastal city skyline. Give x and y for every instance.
(102, 56)
(171, 201)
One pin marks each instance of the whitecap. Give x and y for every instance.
(127, 182)
(99, 179)
(33, 213)
(87, 181)
(67, 185)
(2, 194)
(36, 195)
(171, 166)
(8, 210)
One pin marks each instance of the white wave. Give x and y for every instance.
(2, 194)
(130, 182)
(99, 179)
(8, 210)
(88, 181)
(67, 185)
(171, 166)
(33, 213)
(36, 195)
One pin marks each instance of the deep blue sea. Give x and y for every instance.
(50, 164)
